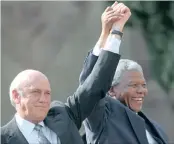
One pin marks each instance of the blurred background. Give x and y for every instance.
(54, 37)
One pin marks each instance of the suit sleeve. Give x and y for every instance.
(94, 87)
(112, 45)
(88, 66)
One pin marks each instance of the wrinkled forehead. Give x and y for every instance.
(36, 82)
(133, 75)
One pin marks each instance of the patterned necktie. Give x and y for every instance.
(42, 139)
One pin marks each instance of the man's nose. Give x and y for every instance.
(140, 89)
(43, 97)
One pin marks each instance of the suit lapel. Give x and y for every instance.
(15, 135)
(159, 133)
(138, 126)
(55, 124)
(154, 127)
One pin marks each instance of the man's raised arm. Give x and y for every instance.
(95, 86)
(113, 40)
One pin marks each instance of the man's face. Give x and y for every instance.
(132, 90)
(35, 101)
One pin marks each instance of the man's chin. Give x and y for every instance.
(41, 114)
(41, 117)
(137, 109)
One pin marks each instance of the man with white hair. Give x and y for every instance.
(117, 118)
(38, 121)
(35, 122)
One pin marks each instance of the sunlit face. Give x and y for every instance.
(132, 90)
(34, 103)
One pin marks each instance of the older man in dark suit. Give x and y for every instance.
(35, 122)
(117, 118)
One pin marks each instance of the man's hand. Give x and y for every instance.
(108, 18)
(123, 10)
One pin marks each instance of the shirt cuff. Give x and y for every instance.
(96, 50)
(112, 44)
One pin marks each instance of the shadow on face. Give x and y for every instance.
(131, 90)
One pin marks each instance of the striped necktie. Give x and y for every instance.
(41, 137)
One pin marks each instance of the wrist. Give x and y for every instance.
(104, 34)
(102, 39)
(118, 27)
(116, 36)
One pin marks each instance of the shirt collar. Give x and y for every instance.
(26, 126)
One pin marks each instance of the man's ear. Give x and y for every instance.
(112, 92)
(16, 96)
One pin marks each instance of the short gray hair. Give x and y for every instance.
(123, 66)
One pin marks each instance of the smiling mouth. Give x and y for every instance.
(139, 100)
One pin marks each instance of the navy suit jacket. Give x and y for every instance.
(111, 122)
(66, 119)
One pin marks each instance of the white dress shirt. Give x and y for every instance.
(112, 45)
(31, 135)
(150, 139)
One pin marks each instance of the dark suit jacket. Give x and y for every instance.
(111, 122)
(65, 119)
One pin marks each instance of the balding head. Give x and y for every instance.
(25, 79)
(30, 94)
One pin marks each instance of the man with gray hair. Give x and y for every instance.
(38, 121)
(117, 118)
